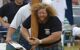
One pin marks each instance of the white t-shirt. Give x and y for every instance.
(60, 7)
(1, 3)
(23, 13)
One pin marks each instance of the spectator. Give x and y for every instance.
(9, 10)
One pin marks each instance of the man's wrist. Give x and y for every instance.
(40, 41)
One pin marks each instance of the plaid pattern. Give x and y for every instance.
(53, 47)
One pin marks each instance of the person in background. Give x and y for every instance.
(9, 10)
(50, 28)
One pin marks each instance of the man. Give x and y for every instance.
(23, 13)
(9, 10)
(49, 26)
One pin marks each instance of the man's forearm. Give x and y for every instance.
(25, 33)
(10, 31)
(52, 38)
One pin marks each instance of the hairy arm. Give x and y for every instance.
(25, 33)
(52, 38)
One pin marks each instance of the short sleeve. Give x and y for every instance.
(27, 23)
(17, 19)
(56, 25)
(22, 14)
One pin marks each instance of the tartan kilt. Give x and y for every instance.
(52, 47)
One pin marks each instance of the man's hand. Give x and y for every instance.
(6, 25)
(33, 41)
(8, 39)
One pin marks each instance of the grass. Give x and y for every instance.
(72, 48)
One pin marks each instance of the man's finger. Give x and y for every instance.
(31, 38)
(9, 41)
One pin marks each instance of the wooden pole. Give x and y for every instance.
(34, 25)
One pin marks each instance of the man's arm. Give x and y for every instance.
(52, 38)
(9, 34)
(13, 26)
(56, 31)
(24, 28)
(25, 33)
